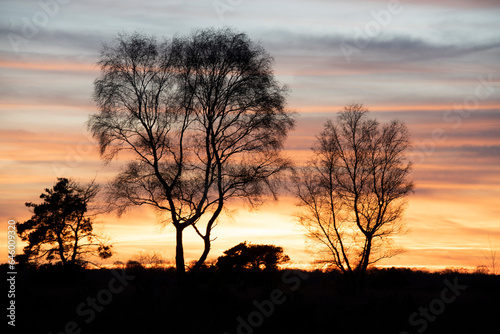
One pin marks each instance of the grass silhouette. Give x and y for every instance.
(47, 300)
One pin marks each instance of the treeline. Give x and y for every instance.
(204, 122)
(255, 301)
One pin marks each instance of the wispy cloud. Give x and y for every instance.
(428, 59)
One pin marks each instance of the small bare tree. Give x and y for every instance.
(492, 264)
(352, 194)
(150, 259)
(205, 121)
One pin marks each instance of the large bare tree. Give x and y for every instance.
(352, 194)
(205, 121)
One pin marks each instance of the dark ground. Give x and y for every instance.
(52, 300)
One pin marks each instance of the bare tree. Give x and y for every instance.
(352, 193)
(492, 263)
(150, 259)
(204, 118)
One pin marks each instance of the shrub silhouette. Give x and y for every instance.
(134, 265)
(248, 256)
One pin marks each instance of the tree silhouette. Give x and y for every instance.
(243, 256)
(491, 265)
(150, 259)
(61, 227)
(352, 193)
(204, 119)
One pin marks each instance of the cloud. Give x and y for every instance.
(394, 47)
(462, 4)
(428, 59)
(451, 4)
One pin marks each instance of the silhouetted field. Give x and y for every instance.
(52, 300)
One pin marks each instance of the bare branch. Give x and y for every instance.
(353, 191)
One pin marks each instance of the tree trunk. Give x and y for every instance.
(349, 282)
(61, 250)
(75, 248)
(203, 257)
(210, 224)
(360, 284)
(179, 254)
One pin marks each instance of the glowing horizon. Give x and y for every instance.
(433, 66)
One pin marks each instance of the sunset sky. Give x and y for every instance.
(432, 64)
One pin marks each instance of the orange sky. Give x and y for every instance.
(452, 215)
(435, 66)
